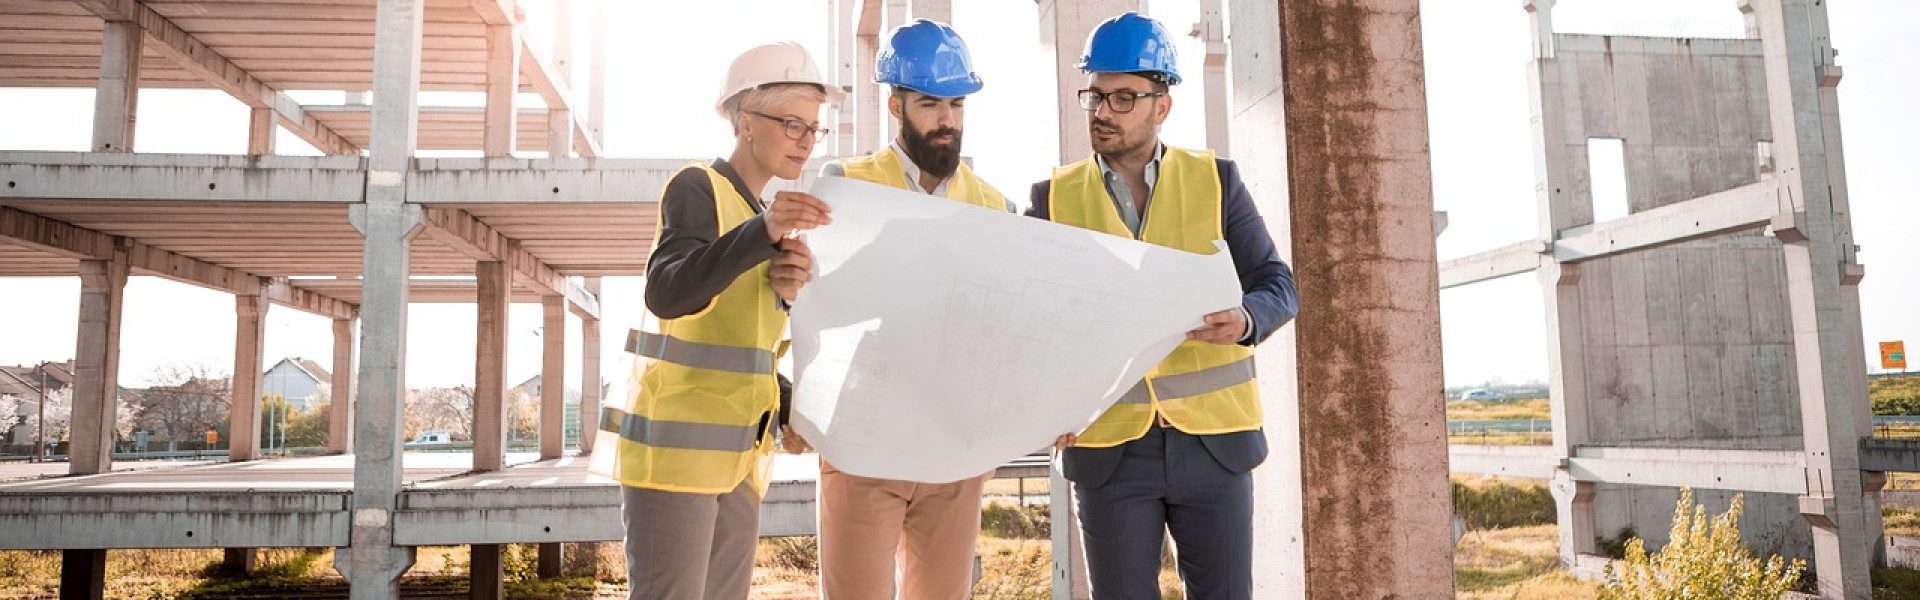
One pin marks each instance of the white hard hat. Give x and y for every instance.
(782, 62)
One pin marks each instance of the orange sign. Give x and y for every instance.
(1893, 355)
(213, 437)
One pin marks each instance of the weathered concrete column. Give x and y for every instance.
(938, 10)
(340, 399)
(553, 376)
(239, 561)
(372, 564)
(1373, 449)
(116, 97)
(560, 120)
(1211, 30)
(500, 125)
(249, 335)
(597, 75)
(1816, 235)
(260, 130)
(490, 365)
(83, 574)
(589, 374)
(489, 579)
(843, 18)
(97, 365)
(1064, 25)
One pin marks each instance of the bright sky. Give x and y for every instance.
(662, 75)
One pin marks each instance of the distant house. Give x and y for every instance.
(24, 382)
(303, 382)
(570, 405)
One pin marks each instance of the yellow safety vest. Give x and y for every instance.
(701, 415)
(884, 168)
(1201, 388)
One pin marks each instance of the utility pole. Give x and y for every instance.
(40, 419)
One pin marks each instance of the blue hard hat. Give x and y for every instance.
(927, 57)
(1131, 43)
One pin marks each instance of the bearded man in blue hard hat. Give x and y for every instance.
(1176, 453)
(872, 529)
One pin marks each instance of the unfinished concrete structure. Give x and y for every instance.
(1709, 338)
(1344, 511)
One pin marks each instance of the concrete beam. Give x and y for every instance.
(96, 386)
(116, 99)
(250, 333)
(1375, 518)
(178, 177)
(1512, 259)
(285, 294)
(201, 519)
(340, 400)
(589, 374)
(1770, 471)
(1745, 207)
(193, 56)
(553, 376)
(477, 240)
(260, 131)
(490, 366)
(556, 93)
(1526, 462)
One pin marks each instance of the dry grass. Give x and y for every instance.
(1537, 438)
(1517, 562)
(1484, 410)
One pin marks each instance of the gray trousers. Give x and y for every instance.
(1167, 482)
(683, 546)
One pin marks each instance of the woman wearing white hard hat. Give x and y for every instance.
(693, 444)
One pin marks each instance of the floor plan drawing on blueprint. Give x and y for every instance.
(938, 340)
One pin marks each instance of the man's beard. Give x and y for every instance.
(937, 160)
(1120, 146)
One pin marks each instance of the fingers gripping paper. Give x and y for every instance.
(939, 340)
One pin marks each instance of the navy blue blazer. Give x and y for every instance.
(1267, 294)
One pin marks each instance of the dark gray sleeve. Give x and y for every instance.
(690, 264)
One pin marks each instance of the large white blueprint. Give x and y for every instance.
(939, 340)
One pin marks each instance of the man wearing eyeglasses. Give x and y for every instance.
(870, 528)
(1176, 453)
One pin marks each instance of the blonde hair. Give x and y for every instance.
(767, 97)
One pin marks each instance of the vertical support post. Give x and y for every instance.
(1212, 32)
(499, 122)
(560, 119)
(490, 366)
(1829, 364)
(1064, 25)
(589, 374)
(597, 75)
(551, 558)
(1070, 576)
(1752, 20)
(1376, 507)
(249, 333)
(340, 399)
(83, 574)
(96, 385)
(239, 561)
(372, 564)
(842, 36)
(116, 98)
(488, 579)
(865, 102)
(553, 376)
(260, 131)
(938, 10)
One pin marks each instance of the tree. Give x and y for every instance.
(524, 415)
(9, 415)
(185, 400)
(59, 412)
(1703, 560)
(443, 409)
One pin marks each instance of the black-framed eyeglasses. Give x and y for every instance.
(795, 127)
(1121, 101)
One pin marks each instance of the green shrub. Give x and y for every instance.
(1014, 522)
(1703, 560)
(1896, 405)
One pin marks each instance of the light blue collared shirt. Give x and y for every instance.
(1131, 210)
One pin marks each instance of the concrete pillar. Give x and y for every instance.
(1373, 449)
(249, 336)
(938, 10)
(96, 386)
(116, 97)
(1064, 26)
(1070, 576)
(499, 123)
(1815, 234)
(260, 131)
(488, 577)
(372, 564)
(560, 120)
(340, 401)
(1212, 31)
(83, 574)
(553, 376)
(1752, 20)
(597, 75)
(239, 561)
(869, 123)
(843, 18)
(1540, 16)
(589, 374)
(552, 559)
(490, 366)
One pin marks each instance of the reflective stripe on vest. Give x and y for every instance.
(678, 434)
(884, 168)
(1200, 388)
(703, 392)
(698, 355)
